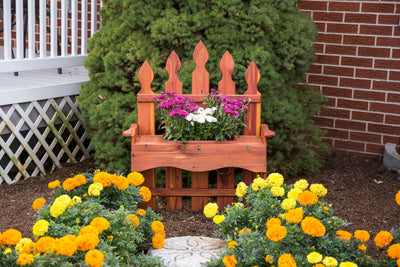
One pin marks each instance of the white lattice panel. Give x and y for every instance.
(38, 136)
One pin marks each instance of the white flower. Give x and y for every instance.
(210, 119)
(189, 117)
(208, 111)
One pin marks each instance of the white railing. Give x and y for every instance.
(40, 34)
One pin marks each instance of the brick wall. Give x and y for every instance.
(357, 67)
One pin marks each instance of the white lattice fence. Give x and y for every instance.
(38, 136)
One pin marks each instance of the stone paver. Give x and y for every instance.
(189, 251)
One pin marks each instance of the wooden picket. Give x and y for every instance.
(149, 151)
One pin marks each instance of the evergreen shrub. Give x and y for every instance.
(273, 34)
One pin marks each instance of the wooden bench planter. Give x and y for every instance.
(149, 151)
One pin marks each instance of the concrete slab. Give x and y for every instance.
(189, 251)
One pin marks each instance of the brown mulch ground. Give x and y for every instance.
(361, 190)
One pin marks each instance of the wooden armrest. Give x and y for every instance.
(133, 131)
(266, 132)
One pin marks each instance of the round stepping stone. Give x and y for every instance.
(189, 251)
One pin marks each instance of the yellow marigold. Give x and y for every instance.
(60, 204)
(157, 241)
(7, 251)
(145, 192)
(25, 245)
(94, 258)
(232, 244)
(286, 260)
(361, 235)
(294, 215)
(330, 262)
(95, 189)
(319, 190)
(157, 227)
(120, 182)
(54, 184)
(259, 183)
(10, 237)
(268, 259)
(210, 210)
(229, 261)
(362, 248)
(273, 221)
(312, 226)
(103, 178)
(69, 184)
(347, 264)
(100, 223)
(288, 203)
(244, 231)
(38, 203)
(306, 198)
(314, 257)
(241, 189)
(275, 179)
(276, 233)
(141, 212)
(218, 219)
(87, 241)
(133, 220)
(294, 193)
(89, 229)
(277, 191)
(343, 235)
(394, 251)
(65, 246)
(44, 244)
(398, 198)
(40, 227)
(25, 259)
(301, 184)
(383, 239)
(135, 178)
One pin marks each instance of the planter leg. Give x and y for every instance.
(173, 179)
(225, 180)
(199, 180)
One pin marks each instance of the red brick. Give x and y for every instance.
(371, 73)
(383, 128)
(369, 95)
(378, 8)
(317, 69)
(394, 75)
(321, 26)
(321, 79)
(327, 122)
(387, 86)
(342, 28)
(396, 31)
(327, 141)
(387, 64)
(327, 59)
(360, 18)
(367, 137)
(341, 49)
(331, 102)
(356, 83)
(392, 119)
(313, 5)
(394, 98)
(328, 16)
(337, 91)
(329, 38)
(373, 51)
(396, 53)
(388, 41)
(335, 133)
(388, 19)
(319, 48)
(335, 113)
(356, 61)
(349, 145)
(367, 116)
(358, 40)
(344, 6)
(375, 148)
(376, 30)
(384, 107)
(351, 125)
(339, 71)
(391, 139)
(353, 104)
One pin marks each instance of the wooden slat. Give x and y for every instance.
(199, 98)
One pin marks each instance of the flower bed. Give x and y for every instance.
(93, 220)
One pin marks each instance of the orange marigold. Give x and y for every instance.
(343, 235)
(232, 244)
(10, 237)
(295, 215)
(313, 227)
(94, 258)
(103, 178)
(157, 241)
(100, 223)
(229, 261)
(361, 235)
(276, 233)
(268, 259)
(394, 251)
(144, 191)
(157, 227)
(80, 179)
(244, 231)
(273, 221)
(69, 184)
(307, 198)
(286, 260)
(133, 220)
(54, 184)
(135, 178)
(120, 182)
(398, 198)
(38, 203)
(383, 239)
(65, 246)
(141, 212)
(44, 244)
(87, 241)
(362, 248)
(89, 229)
(24, 259)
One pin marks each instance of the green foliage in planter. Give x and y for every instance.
(273, 34)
